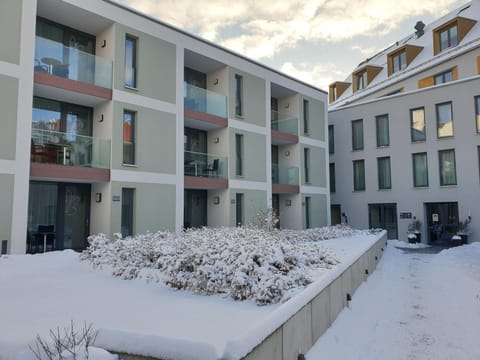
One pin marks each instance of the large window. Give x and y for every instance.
(444, 120)
(331, 139)
(399, 62)
(128, 137)
(443, 77)
(448, 37)
(128, 196)
(358, 175)
(420, 170)
(357, 135)
(383, 138)
(130, 61)
(332, 177)
(448, 174)
(417, 125)
(238, 95)
(477, 112)
(306, 164)
(306, 117)
(384, 173)
(239, 154)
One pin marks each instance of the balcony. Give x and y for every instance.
(53, 152)
(285, 179)
(284, 128)
(204, 109)
(72, 69)
(204, 171)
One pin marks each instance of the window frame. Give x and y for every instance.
(306, 165)
(440, 78)
(441, 168)
(402, 61)
(131, 214)
(355, 146)
(331, 169)
(414, 172)
(131, 136)
(361, 79)
(239, 104)
(331, 139)
(306, 117)
(477, 112)
(412, 128)
(239, 155)
(134, 62)
(437, 112)
(378, 119)
(359, 186)
(384, 183)
(451, 43)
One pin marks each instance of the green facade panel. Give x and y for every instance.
(254, 156)
(316, 118)
(253, 98)
(6, 206)
(318, 210)
(154, 207)
(155, 68)
(317, 168)
(8, 104)
(10, 27)
(155, 139)
(254, 201)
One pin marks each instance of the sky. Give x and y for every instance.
(316, 41)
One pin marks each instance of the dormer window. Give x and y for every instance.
(336, 90)
(400, 58)
(364, 76)
(451, 33)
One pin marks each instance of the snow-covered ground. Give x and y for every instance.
(416, 305)
(46, 291)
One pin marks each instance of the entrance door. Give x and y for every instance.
(195, 209)
(64, 206)
(384, 216)
(442, 221)
(336, 214)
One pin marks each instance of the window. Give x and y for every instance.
(357, 135)
(239, 209)
(361, 80)
(130, 61)
(446, 160)
(332, 177)
(477, 112)
(399, 62)
(239, 154)
(333, 94)
(384, 173)
(306, 117)
(238, 95)
(383, 138)
(417, 125)
(308, 212)
(443, 77)
(478, 151)
(444, 120)
(306, 164)
(128, 196)
(331, 139)
(359, 175)
(128, 137)
(448, 37)
(420, 170)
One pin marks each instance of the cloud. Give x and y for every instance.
(263, 29)
(319, 75)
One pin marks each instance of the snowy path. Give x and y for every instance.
(414, 306)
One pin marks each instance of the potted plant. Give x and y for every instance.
(414, 234)
(463, 231)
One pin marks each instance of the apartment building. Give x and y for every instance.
(114, 122)
(404, 132)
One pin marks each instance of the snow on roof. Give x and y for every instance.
(422, 61)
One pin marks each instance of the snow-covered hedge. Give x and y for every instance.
(244, 262)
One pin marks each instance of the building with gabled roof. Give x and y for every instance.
(404, 132)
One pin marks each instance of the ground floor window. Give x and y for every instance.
(128, 202)
(384, 216)
(239, 216)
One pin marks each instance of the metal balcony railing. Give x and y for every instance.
(204, 165)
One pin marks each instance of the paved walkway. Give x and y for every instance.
(412, 307)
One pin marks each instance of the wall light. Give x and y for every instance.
(101, 118)
(104, 43)
(216, 140)
(288, 202)
(287, 153)
(215, 82)
(98, 197)
(216, 200)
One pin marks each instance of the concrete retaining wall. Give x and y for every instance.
(298, 334)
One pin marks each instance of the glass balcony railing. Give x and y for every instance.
(204, 165)
(53, 147)
(284, 123)
(284, 175)
(205, 101)
(56, 59)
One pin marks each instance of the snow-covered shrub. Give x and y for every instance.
(244, 262)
